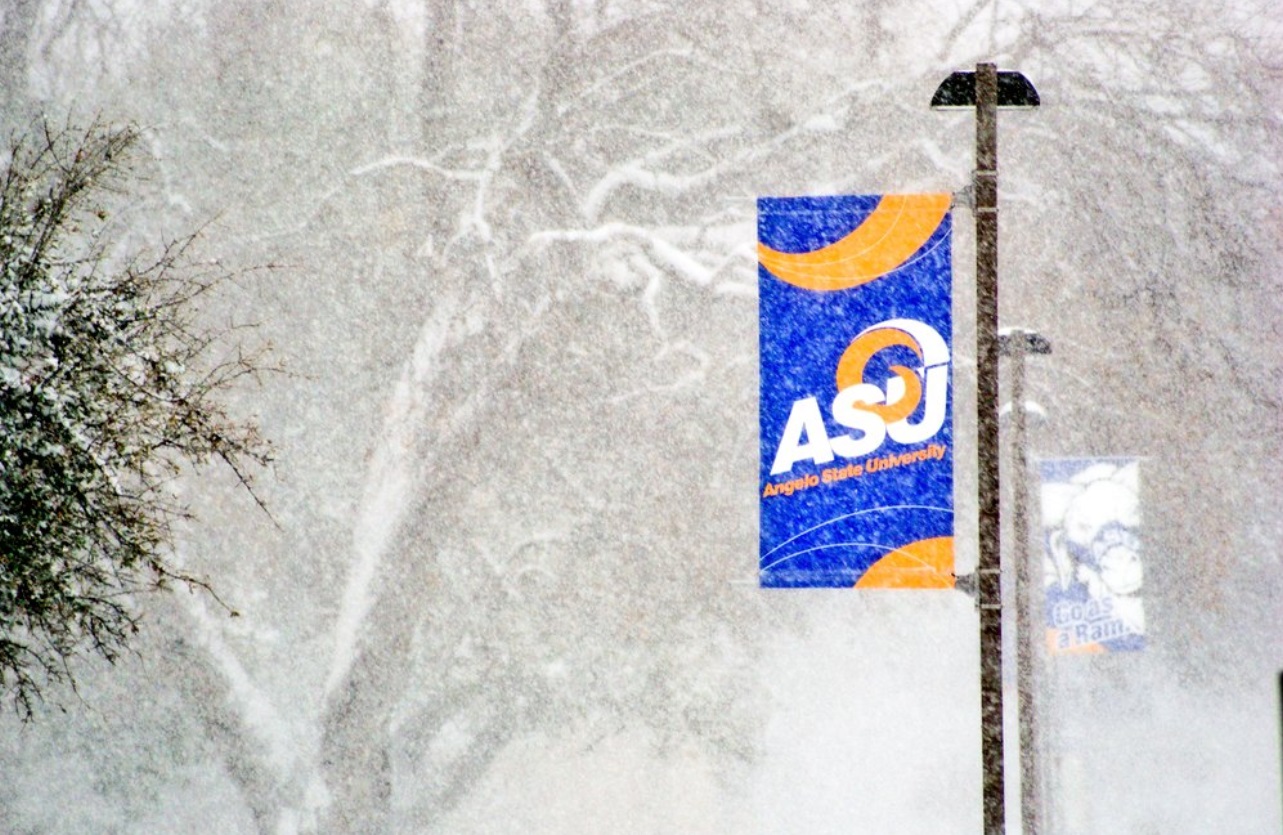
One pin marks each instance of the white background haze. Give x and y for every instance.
(510, 585)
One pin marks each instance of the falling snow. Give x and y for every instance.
(509, 577)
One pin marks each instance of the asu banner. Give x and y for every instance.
(1091, 531)
(856, 479)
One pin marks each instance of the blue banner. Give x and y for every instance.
(856, 479)
(1091, 531)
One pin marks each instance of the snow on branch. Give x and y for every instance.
(418, 163)
(260, 716)
(662, 252)
(389, 487)
(678, 262)
(641, 174)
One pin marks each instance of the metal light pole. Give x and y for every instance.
(987, 90)
(1016, 343)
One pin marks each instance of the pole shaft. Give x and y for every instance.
(1027, 674)
(989, 570)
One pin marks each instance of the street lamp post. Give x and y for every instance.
(987, 90)
(1016, 343)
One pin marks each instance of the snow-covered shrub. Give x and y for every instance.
(109, 386)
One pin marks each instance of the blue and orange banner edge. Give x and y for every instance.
(856, 473)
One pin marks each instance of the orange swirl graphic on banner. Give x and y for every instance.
(925, 564)
(887, 238)
(850, 371)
